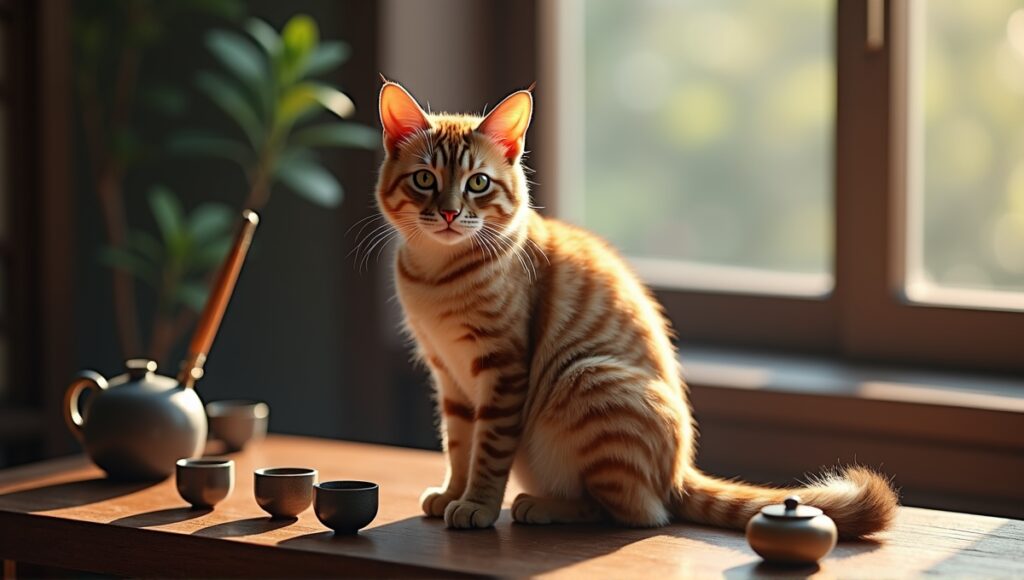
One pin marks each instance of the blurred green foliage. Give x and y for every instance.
(188, 248)
(266, 84)
(270, 92)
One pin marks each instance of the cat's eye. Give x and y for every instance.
(478, 183)
(424, 180)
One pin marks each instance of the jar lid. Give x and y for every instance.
(791, 510)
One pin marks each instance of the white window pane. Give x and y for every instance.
(967, 153)
(708, 139)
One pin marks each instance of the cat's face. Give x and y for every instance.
(452, 179)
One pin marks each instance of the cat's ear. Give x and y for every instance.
(400, 115)
(508, 122)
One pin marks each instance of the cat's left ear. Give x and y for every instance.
(508, 122)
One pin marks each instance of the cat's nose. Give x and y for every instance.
(450, 214)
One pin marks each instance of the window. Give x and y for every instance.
(708, 136)
(822, 176)
(966, 153)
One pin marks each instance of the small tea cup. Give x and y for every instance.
(237, 422)
(284, 492)
(205, 481)
(346, 506)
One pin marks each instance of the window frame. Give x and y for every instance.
(868, 315)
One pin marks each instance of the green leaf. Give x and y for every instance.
(230, 99)
(338, 135)
(327, 56)
(193, 295)
(305, 98)
(123, 259)
(167, 212)
(210, 254)
(300, 36)
(239, 56)
(208, 221)
(309, 179)
(145, 245)
(192, 142)
(264, 35)
(334, 100)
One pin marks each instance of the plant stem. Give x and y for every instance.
(109, 192)
(259, 191)
(162, 336)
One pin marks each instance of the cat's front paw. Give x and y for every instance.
(463, 514)
(435, 499)
(527, 509)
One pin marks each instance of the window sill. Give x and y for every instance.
(951, 440)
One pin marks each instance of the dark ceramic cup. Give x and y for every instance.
(204, 481)
(346, 506)
(284, 492)
(238, 422)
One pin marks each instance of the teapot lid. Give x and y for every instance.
(791, 509)
(138, 368)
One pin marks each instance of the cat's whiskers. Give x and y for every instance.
(370, 218)
(520, 252)
(370, 236)
(415, 232)
(487, 245)
(499, 242)
(379, 234)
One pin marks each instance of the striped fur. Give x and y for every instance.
(549, 357)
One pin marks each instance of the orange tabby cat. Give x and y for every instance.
(549, 356)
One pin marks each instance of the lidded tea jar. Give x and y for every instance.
(791, 533)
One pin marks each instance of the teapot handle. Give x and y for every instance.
(72, 416)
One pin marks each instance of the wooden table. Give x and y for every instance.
(63, 513)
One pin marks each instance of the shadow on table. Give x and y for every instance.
(161, 517)
(762, 569)
(69, 494)
(766, 570)
(326, 539)
(246, 527)
(508, 549)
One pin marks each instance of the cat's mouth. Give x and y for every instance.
(448, 233)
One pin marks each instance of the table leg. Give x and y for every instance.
(10, 571)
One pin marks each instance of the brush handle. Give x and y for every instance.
(217, 303)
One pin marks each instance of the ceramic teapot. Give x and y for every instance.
(137, 425)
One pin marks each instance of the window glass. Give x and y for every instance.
(708, 139)
(967, 152)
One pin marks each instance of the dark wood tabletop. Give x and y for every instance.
(65, 513)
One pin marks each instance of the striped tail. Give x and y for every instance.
(860, 501)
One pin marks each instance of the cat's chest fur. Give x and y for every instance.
(445, 323)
